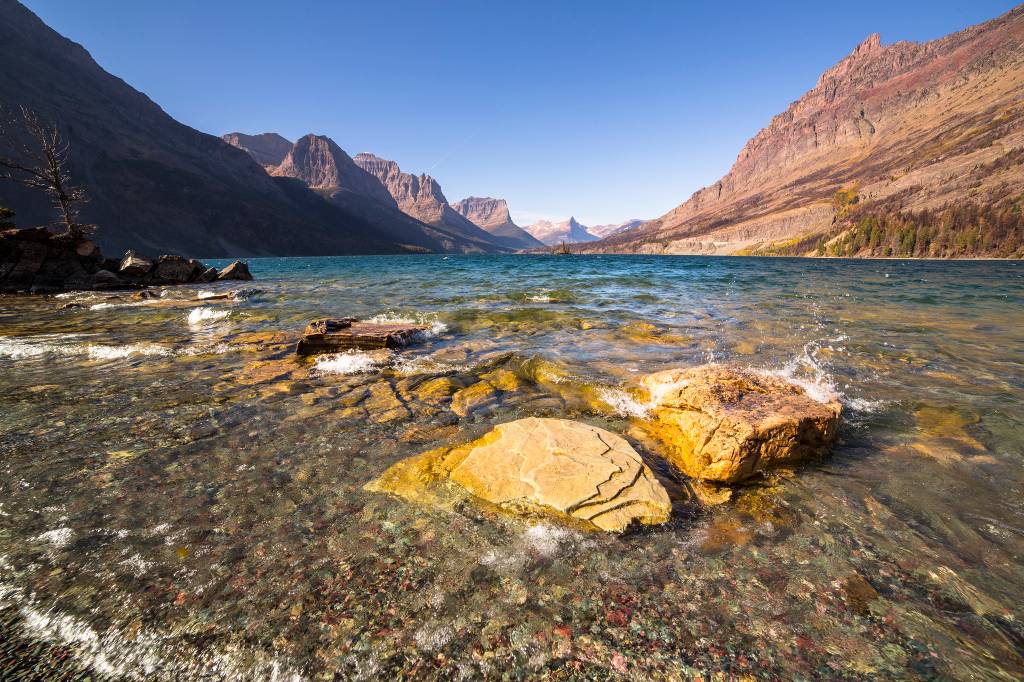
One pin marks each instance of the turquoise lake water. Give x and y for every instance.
(179, 497)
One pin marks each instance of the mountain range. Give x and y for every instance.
(901, 149)
(493, 216)
(553, 233)
(157, 185)
(894, 140)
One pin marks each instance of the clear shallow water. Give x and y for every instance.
(178, 498)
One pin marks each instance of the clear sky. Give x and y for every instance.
(603, 110)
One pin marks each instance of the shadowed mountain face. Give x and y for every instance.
(320, 164)
(916, 126)
(493, 216)
(154, 184)
(421, 197)
(552, 233)
(269, 149)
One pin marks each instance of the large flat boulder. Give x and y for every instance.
(333, 335)
(725, 424)
(574, 472)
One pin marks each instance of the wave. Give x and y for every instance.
(35, 347)
(139, 654)
(351, 362)
(434, 326)
(204, 314)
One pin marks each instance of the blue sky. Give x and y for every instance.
(602, 110)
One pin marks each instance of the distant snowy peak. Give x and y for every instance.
(554, 233)
(602, 231)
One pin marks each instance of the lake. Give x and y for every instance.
(177, 500)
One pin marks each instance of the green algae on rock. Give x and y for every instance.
(574, 472)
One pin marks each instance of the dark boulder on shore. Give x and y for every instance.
(39, 261)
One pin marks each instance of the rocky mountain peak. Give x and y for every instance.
(493, 216)
(268, 149)
(484, 211)
(319, 162)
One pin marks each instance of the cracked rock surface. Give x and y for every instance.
(725, 424)
(554, 467)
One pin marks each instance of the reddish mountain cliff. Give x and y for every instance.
(421, 197)
(325, 168)
(907, 129)
(493, 216)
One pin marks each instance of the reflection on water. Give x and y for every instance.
(179, 497)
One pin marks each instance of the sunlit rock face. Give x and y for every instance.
(420, 196)
(493, 216)
(571, 471)
(725, 424)
(920, 124)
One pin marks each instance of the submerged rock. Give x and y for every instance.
(725, 424)
(575, 472)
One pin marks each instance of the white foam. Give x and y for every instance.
(202, 315)
(625, 404)
(546, 540)
(98, 352)
(350, 362)
(58, 537)
(434, 326)
(18, 349)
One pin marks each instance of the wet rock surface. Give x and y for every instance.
(555, 467)
(726, 424)
(346, 333)
(38, 261)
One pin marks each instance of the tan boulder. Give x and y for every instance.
(725, 424)
(580, 474)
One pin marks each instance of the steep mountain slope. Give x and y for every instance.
(421, 197)
(909, 126)
(552, 233)
(269, 149)
(322, 164)
(493, 216)
(324, 167)
(609, 229)
(154, 184)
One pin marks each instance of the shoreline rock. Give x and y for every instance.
(579, 474)
(725, 424)
(333, 335)
(35, 260)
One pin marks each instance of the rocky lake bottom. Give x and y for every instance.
(182, 498)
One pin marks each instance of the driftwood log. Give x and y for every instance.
(347, 333)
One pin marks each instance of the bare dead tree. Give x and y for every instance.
(38, 159)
